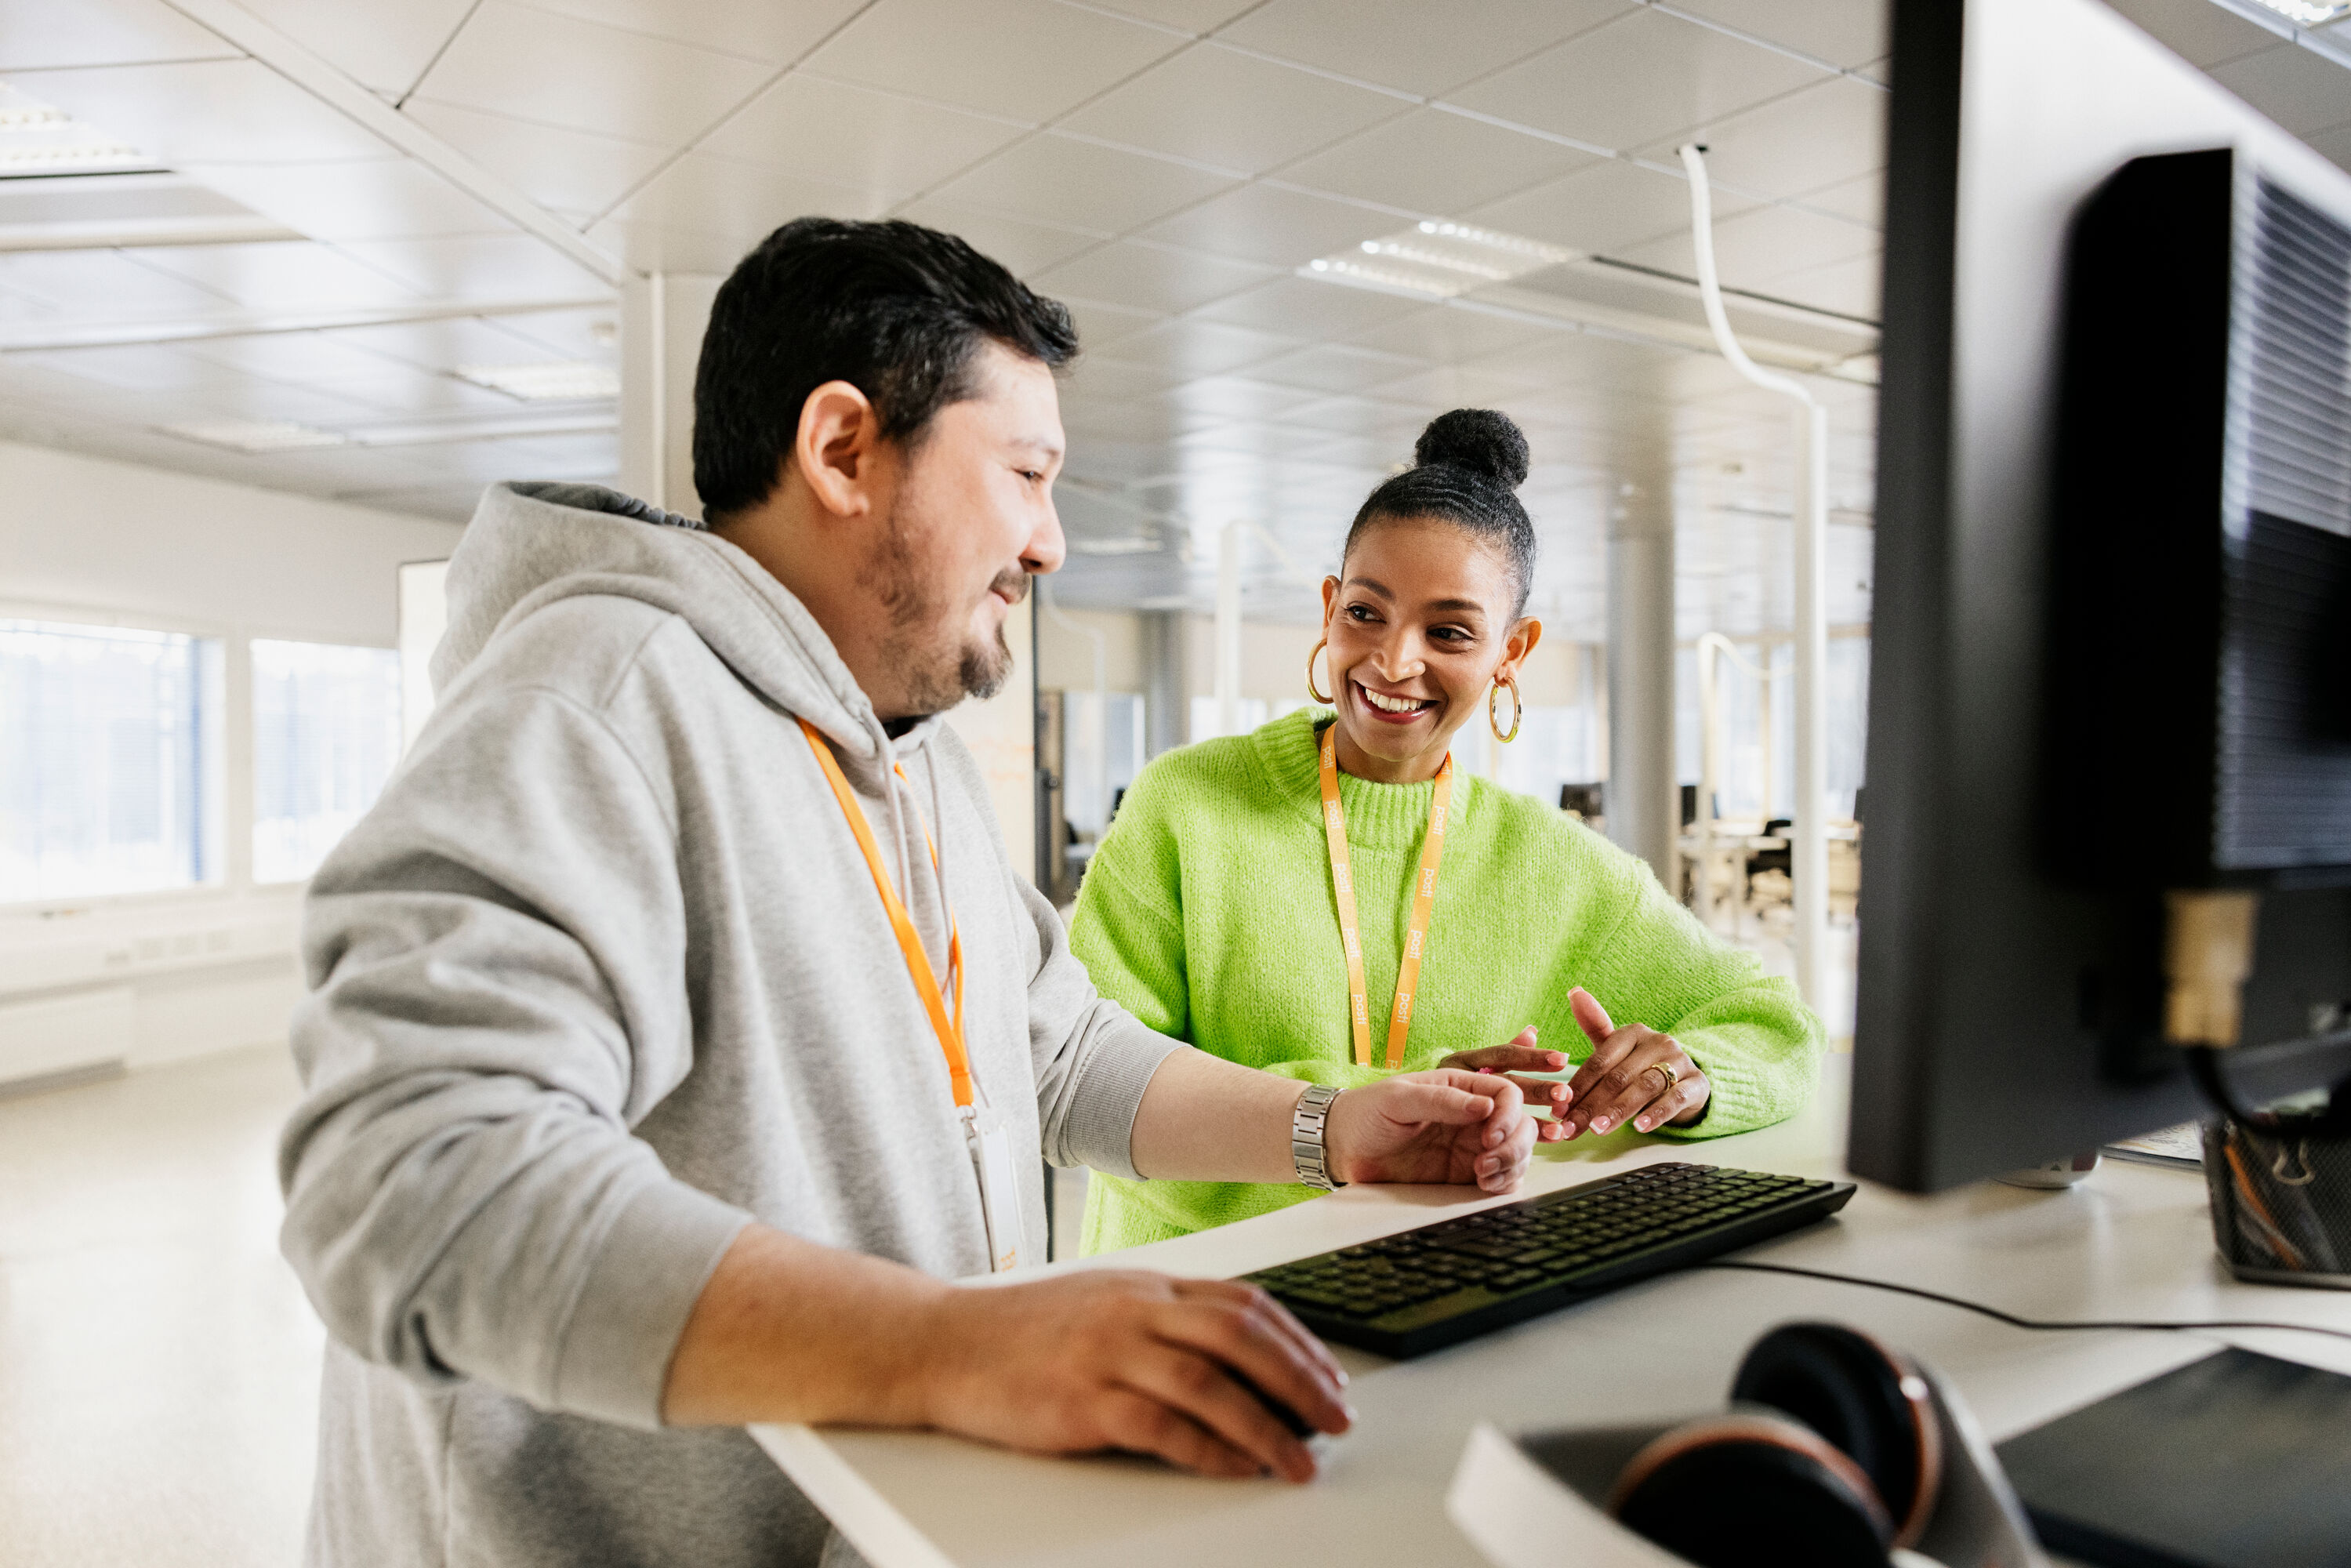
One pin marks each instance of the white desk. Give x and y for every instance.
(2133, 1242)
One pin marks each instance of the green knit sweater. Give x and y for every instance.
(1208, 912)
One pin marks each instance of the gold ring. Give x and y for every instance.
(1667, 1073)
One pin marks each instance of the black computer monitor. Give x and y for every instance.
(2010, 1007)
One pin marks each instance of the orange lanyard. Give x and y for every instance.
(1423, 899)
(910, 941)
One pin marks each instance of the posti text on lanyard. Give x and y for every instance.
(1423, 899)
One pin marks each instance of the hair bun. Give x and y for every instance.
(1481, 440)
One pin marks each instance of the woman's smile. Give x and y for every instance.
(1390, 708)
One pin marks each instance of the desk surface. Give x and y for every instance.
(2133, 1242)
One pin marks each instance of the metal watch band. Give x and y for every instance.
(1307, 1152)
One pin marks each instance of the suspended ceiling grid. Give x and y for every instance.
(388, 192)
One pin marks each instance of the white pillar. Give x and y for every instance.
(1166, 680)
(661, 319)
(1644, 813)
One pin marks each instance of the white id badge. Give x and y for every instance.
(999, 1186)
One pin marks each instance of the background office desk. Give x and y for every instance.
(2131, 1242)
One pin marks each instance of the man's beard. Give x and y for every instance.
(924, 643)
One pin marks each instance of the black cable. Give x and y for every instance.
(2010, 1318)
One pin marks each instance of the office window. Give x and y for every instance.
(110, 743)
(326, 733)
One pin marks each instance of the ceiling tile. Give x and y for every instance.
(1640, 78)
(1863, 201)
(40, 35)
(1027, 58)
(105, 286)
(1231, 111)
(2205, 33)
(1097, 378)
(1101, 326)
(1450, 334)
(1196, 348)
(1027, 248)
(1410, 43)
(1850, 287)
(290, 275)
(1842, 32)
(1760, 244)
(2334, 144)
(558, 71)
(209, 111)
(592, 332)
(2300, 88)
(1434, 162)
(568, 170)
(775, 31)
(291, 356)
(381, 46)
(375, 198)
(483, 266)
(1280, 228)
(1603, 208)
(403, 391)
(1192, 15)
(1337, 367)
(722, 195)
(887, 147)
(671, 248)
(1832, 132)
(1308, 309)
(1140, 277)
(1080, 185)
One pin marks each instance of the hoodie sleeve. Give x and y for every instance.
(494, 957)
(1093, 1059)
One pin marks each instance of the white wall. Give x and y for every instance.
(83, 539)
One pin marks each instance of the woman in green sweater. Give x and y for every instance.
(1280, 899)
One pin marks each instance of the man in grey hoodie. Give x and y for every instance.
(659, 1005)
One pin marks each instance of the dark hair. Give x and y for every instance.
(896, 309)
(1468, 466)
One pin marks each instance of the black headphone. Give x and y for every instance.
(1830, 1457)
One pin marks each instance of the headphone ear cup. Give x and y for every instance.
(1752, 1489)
(1867, 1399)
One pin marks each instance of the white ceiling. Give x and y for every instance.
(370, 194)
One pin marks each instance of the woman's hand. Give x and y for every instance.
(1434, 1126)
(1523, 1055)
(1625, 1078)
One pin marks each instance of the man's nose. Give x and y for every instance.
(1047, 548)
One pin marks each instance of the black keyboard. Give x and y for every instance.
(1421, 1289)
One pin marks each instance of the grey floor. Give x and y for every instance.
(158, 1364)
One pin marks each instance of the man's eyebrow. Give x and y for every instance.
(1045, 445)
(1380, 589)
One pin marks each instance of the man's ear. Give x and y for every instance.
(835, 448)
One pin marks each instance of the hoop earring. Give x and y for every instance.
(1518, 709)
(1311, 657)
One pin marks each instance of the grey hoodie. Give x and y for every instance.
(601, 978)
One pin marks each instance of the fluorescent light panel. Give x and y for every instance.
(2308, 14)
(1438, 259)
(36, 139)
(560, 381)
(257, 435)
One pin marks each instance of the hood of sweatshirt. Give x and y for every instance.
(531, 544)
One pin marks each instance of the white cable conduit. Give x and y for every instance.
(1810, 844)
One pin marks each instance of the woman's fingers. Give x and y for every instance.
(1590, 1016)
(1643, 1069)
(1542, 1093)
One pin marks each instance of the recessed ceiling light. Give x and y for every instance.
(1438, 259)
(36, 139)
(257, 435)
(559, 381)
(2309, 13)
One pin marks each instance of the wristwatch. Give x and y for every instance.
(1307, 1151)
